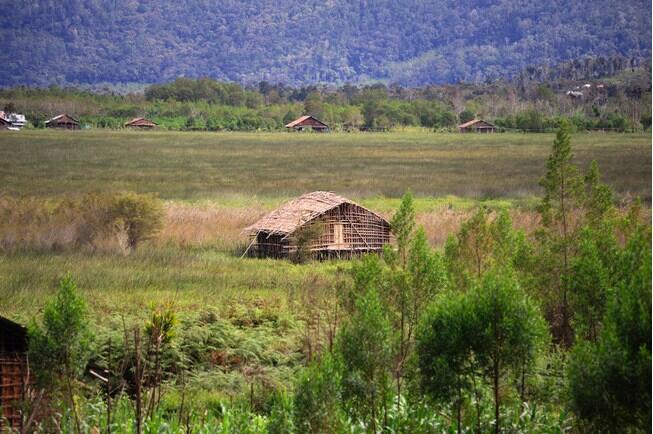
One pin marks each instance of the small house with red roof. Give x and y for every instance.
(308, 123)
(477, 126)
(63, 121)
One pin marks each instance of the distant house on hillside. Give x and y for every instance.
(63, 121)
(322, 225)
(308, 122)
(477, 126)
(141, 123)
(17, 121)
(574, 94)
(14, 373)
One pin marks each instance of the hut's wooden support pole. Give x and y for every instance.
(250, 246)
(359, 234)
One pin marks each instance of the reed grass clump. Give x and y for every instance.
(93, 221)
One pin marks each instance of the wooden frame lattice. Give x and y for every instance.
(15, 380)
(362, 231)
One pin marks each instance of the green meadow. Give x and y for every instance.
(214, 184)
(250, 167)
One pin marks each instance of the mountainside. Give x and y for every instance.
(411, 42)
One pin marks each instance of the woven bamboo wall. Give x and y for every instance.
(14, 381)
(358, 230)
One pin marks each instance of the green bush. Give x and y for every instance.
(280, 420)
(317, 398)
(59, 345)
(141, 216)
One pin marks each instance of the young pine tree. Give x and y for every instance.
(589, 286)
(563, 195)
(316, 404)
(444, 346)
(59, 345)
(482, 244)
(510, 330)
(365, 349)
(403, 225)
(601, 216)
(470, 251)
(280, 420)
(415, 288)
(492, 330)
(610, 380)
(599, 199)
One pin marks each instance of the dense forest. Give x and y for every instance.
(536, 100)
(410, 43)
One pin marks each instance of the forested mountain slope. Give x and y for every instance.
(412, 42)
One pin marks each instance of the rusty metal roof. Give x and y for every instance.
(301, 119)
(64, 117)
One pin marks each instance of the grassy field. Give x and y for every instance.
(192, 278)
(243, 168)
(214, 185)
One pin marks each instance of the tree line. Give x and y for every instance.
(614, 103)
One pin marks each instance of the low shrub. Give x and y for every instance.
(95, 221)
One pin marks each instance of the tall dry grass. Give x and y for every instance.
(205, 226)
(221, 227)
(62, 224)
(31, 223)
(76, 223)
(441, 223)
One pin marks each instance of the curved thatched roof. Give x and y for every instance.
(294, 214)
(140, 122)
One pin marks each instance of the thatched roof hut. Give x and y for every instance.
(321, 224)
(141, 123)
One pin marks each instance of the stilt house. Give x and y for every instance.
(322, 225)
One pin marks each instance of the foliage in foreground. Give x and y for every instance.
(483, 335)
(610, 378)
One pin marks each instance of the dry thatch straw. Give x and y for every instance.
(294, 214)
